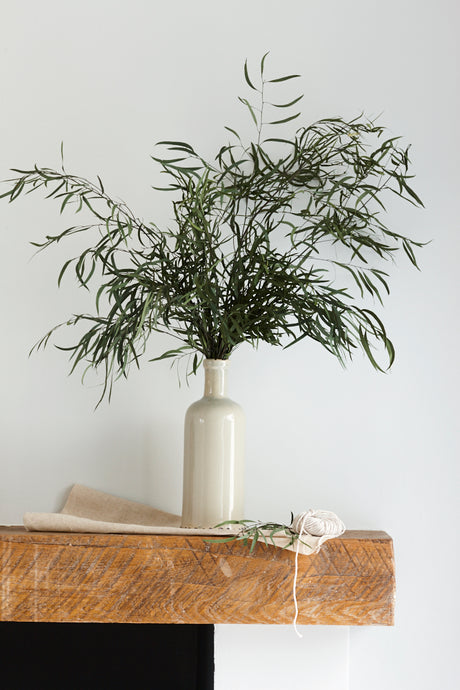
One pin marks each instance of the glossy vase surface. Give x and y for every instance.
(213, 453)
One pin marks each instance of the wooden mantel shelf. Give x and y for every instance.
(114, 578)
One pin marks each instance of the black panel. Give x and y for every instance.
(96, 656)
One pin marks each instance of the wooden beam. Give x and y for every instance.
(114, 578)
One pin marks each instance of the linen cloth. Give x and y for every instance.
(89, 510)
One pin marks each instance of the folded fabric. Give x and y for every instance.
(89, 510)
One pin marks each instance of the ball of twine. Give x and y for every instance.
(318, 523)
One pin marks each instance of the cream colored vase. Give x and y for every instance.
(213, 453)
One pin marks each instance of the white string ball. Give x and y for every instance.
(318, 523)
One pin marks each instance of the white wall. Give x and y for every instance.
(110, 78)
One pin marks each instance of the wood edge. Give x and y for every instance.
(20, 531)
(201, 621)
(19, 535)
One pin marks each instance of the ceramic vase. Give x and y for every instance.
(213, 453)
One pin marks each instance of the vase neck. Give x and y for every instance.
(215, 378)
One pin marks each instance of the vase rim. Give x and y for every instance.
(215, 363)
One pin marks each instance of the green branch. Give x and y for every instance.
(275, 240)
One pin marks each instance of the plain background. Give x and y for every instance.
(110, 79)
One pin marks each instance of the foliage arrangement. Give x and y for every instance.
(276, 240)
(252, 531)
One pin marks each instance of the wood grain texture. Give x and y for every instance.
(113, 578)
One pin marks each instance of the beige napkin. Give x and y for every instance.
(88, 510)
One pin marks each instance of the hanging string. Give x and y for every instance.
(317, 523)
(300, 531)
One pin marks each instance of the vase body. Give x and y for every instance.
(213, 454)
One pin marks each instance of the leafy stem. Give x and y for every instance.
(274, 240)
(252, 531)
